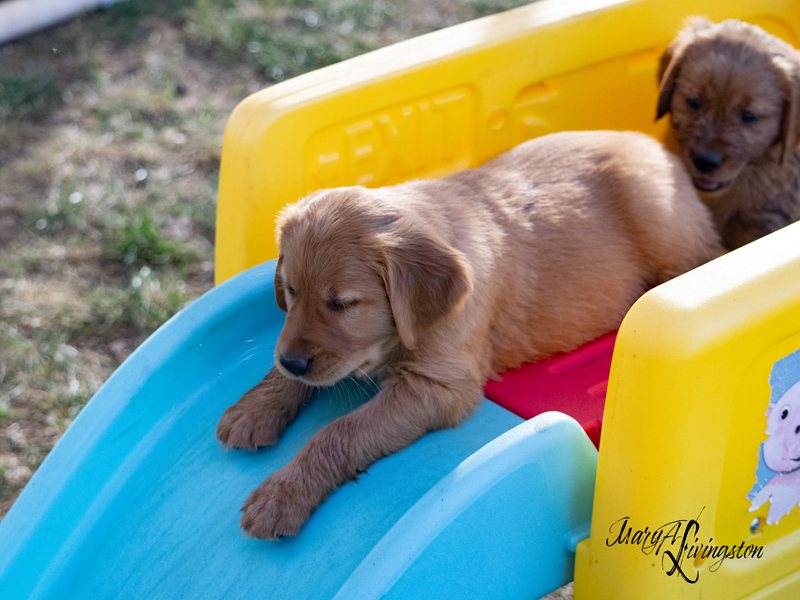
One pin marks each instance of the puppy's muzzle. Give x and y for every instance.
(296, 364)
(706, 161)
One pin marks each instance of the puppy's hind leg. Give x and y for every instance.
(259, 418)
(399, 415)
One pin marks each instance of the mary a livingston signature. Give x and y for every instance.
(683, 533)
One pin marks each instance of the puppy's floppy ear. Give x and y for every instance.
(668, 76)
(790, 81)
(281, 229)
(280, 289)
(671, 60)
(425, 279)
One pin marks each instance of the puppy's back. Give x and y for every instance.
(632, 185)
(590, 220)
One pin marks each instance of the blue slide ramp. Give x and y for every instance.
(138, 499)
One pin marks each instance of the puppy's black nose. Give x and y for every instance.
(296, 364)
(706, 161)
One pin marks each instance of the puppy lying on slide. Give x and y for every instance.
(435, 286)
(733, 92)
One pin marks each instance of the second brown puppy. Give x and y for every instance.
(432, 287)
(733, 92)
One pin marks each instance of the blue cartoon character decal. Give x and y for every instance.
(778, 472)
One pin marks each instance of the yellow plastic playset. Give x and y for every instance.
(685, 486)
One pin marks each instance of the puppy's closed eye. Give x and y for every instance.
(335, 304)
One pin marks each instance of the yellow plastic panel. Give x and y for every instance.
(450, 100)
(684, 420)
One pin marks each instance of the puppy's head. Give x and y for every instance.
(731, 89)
(357, 276)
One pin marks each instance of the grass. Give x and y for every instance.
(29, 91)
(283, 39)
(140, 243)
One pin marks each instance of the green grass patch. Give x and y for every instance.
(62, 216)
(149, 300)
(28, 90)
(130, 20)
(484, 8)
(43, 367)
(140, 243)
(283, 39)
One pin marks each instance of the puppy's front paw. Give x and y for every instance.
(250, 424)
(260, 417)
(275, 509)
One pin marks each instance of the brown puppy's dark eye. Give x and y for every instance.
(693, 103)
(748, 117)
(290, 289)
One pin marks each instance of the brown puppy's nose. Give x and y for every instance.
(706, 161)
(296, 364)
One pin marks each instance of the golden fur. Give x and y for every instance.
(732, 91)
(435, 286)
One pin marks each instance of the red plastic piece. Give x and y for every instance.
(574, 384)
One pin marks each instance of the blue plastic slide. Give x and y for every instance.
(139, 500)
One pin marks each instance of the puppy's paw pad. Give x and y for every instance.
(274, 510)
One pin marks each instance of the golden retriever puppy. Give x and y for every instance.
(732, 92)
(434, 286)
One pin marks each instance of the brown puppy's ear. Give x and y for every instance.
(668, 77)
(425, 279)
(669, 65)
(789, 121)
(280, 290)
